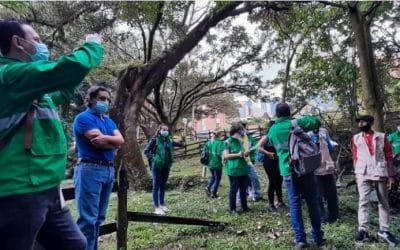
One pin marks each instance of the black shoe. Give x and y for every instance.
(208, 191)
(362, 236)
(300, 245)
(272, 209)
(258, 199)
(388, 237)
(281, 205)
(246, 209)
(319, 243)
(215, 196)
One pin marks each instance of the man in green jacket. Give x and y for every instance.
(33, 147)
(297, 187)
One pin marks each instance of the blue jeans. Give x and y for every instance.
(255, 183)
(38, 216)
(160, 177)
(298, 188)
(326, 186)
(93, 186)
(238, 183)
(214, 181)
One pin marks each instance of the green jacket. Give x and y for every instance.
(160, 154)
(237, 166)
(279, 136)
(215, 149)
(394, 139)
(43, 166)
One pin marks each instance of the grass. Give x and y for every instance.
(258, 229)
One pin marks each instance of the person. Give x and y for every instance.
(325, 176)
(271, 167)
(298, 187)
(160, 153)
(249, 143)
(97, 138)
(33, 146)
(394, 139)
(215, 147)
(373, 167)
(237, 168)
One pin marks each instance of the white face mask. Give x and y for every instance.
(398, 129)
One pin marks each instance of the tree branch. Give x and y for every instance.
(338, 5)
(153, 30)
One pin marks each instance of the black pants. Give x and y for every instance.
(326, 186)
(238, 183)
(275, 180)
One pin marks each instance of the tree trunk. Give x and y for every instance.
(129, 100)
(369, 78)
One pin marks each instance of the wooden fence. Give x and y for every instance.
(193, 148)
(124, 216)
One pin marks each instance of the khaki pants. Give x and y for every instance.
(364, 189)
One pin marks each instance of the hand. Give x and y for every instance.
(390, 183)
(100, 140)
(247, 153)
(271, 155)
(96, 38)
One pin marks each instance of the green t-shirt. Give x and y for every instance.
(215, 149)
(237, 166)
(394, 139)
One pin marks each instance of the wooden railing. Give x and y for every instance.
(121, 186)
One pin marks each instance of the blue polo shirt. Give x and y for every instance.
(89, 120)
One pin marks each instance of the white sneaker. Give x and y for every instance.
(159, 211)
(165, 209)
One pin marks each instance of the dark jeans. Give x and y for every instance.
(275, 180)
(298, 188)
(38, 216)
(238, 183)
(160, 177)
(214, 181)
(326, 186)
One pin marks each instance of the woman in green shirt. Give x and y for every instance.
(237, 169)
(215, 147)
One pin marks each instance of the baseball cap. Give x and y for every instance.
(367, 118)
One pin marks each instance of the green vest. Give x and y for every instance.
(394, 139)
(215, 149)
(160, 154)
(43, 166)
(237, 166)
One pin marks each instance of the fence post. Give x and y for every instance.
(122, 219)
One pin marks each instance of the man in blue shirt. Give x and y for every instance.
(97, 138)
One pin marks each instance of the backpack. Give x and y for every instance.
(204, 155)
(305, 156)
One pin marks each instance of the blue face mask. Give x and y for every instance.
(101, 107)
(164, 133)
(42, 52)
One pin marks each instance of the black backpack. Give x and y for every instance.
(305, 156)
(204, 155)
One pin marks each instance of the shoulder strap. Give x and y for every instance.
(28, 121)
